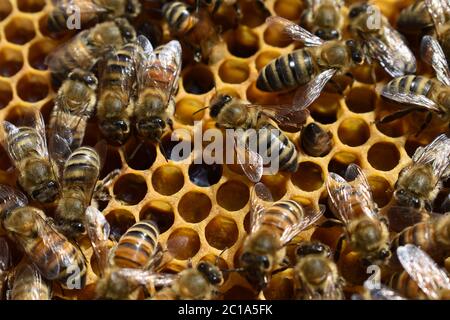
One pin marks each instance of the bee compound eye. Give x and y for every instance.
(320, 33)
(334, 34)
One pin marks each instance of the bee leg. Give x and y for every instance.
(337, 251)
(396, 115)
(425, 123)
(101, 192)
(337, 86)
(373, 75)
(170, 123)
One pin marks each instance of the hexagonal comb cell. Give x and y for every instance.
(187, 110)
(6, 94)
(353, 132)
(19, 30)
(383, 156)
(288, 9)
(361, 100)
(11, 61)
(167, 180)
(308, 177)
(233, 195)
(5, 9)
(160, 212)
(183, 243)
(32, 87)
(198, 80)
(140, 155)
(221, 232)
(205, 175)
(234, 71)
(30, 5)
(194, 206)
(242, 42)
(130, 189)
(120, 220)
(37, 53)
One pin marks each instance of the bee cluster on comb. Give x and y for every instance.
(115, 179)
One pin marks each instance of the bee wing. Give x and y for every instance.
(60, 151)
(382, 292)
(308, 93)
(423, 270)
(145, 45)
(81, 6)
(362, 188)
(11, 198)
(162, 68)
(438, 10)
(145, 277)
(393, 54)
(411, 99)
(310, 216)
(432, 53)
(5, 256)
(258, 194)
(33, 276)
(98, 230)
(294, 31)
(340, 191)
(249, 160)
(401, 218)
(437, 153)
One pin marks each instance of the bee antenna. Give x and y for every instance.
(220, 254)
(163, 150)
(232, 270)
(199, 110)
(136, 150)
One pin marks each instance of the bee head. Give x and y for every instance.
(405, 198)
(151, 128)
(218, 103)
(256, 269)
(328, 34)
(211, 272)
(355, 52)
(126, 29)
(315, 270)
(87, 78)
(308, 248)
(116, 130)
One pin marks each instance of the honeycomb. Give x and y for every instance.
(203, 209)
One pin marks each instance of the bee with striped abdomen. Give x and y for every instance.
(28, 284)
(271, 229)
(117, 81)
(27, 148)
(380, 41)
(432, 236)
(430, 279)
(316, 276)
(415, 19)
(199, 283)
(324, 18)
(420, 93)
(308, 69)
(74, 105)
(232, 113)
(157, 84)
(315, 141)
(194, 28)
(52, 254)
(89, 12)
(366, 230)
(79, 179)
(84, 50)
(419, 183)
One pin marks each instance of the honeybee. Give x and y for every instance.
(324, 18)
(377, 292)
(84, 50)
(28, 284)
(419, 182)
(271, 229)
(315, 141)
(5, 265)
(27, 148)
(230, 112)
(117, 81)
(415, 19)
(199, 283)
(432, 236)
(365, 229)
(74, 105)
(194, 28)
(310, 68)
(88, 12)
(380, 40)
(157, 83)
(79, 180)
(432, 280)
(439, 11)
(52, 254)
(419, 93)
(316, 276)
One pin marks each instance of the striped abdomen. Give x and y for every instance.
(414, 18)
(406, 286)
(29, 284)
(137, 246)
(81, 170)
(287, 71)
(274, 146)
(120, 69)
(411, 84)
(281, 216)
(178, 17)
(25, 143)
